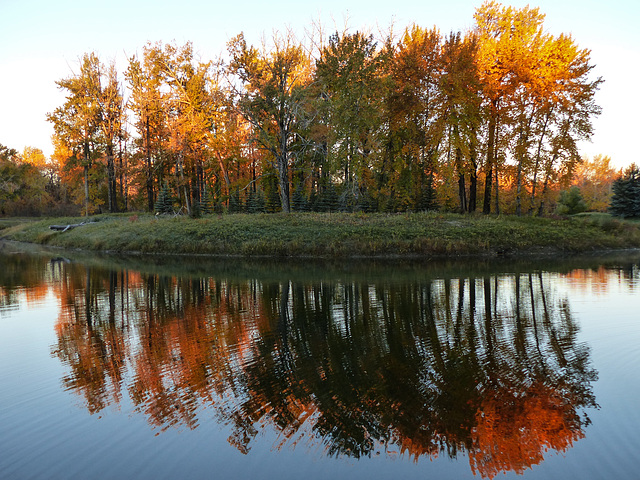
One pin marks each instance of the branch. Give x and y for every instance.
(64, 228)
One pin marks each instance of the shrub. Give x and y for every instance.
(571, 202)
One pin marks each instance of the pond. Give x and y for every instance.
(143, 367)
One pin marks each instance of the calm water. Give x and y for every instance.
(199, 369)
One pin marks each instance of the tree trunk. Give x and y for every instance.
(283, 180)
(497, 195)
(149, 165)
(545, 186)
(519, 190)
(486, 209)
(473, 174)
(462, 189)
(537, 164)
(111, 180)
(86, 178)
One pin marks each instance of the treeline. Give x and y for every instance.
(487, 120)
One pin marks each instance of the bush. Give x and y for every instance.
(571, 202)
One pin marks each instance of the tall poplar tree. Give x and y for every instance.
(348, 74)
(77, 121)
(272, 97)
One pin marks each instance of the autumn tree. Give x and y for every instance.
(270, 96)
(91, 119)
(595, 177)
(149, 103)
(348, 74)
(538, 95)
(497, 27)
(111, 103)
(192, 116)
(22, 182)
(77, 121)
(417, 121)
(460, 87)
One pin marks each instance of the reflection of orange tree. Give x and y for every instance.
(94, 349)
(514, 429)
(599, 281)
(422, 369)
(24, 275)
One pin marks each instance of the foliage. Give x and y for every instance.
(164, 202)
(571, 202)
(595, 179)
(625, 201)
(23, 186)
(416, 122)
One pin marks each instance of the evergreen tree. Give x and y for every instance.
(235, 202)
(164, 202)
(366, 203)
(272, 194)
(426, 198)
(255, 202)
(328, 200)
(625, 201)
(206, 202)
(299, 201)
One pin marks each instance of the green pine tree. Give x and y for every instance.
(299, 201)
(206, 202)
(625, 201)
(255, 202)
(164, 202)
(235, 202)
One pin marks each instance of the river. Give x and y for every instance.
(145, 367)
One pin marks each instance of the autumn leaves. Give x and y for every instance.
(419, 122)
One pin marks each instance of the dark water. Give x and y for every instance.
(141, 368)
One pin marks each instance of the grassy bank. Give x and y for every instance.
(334, 235)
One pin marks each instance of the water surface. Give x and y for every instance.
(149, 368)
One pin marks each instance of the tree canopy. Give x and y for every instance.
(424, 120)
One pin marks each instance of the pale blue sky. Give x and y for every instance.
(41, 41)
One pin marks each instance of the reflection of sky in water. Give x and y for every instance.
(70, 442)
(608, 306)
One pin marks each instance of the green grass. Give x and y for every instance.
(335, 235)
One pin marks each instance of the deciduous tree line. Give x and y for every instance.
(483, 120)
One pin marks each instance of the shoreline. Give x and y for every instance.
(411, 237)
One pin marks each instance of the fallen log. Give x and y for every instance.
(64, 228)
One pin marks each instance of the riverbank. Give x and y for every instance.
(333, 235)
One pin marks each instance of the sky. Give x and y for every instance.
(41, 41)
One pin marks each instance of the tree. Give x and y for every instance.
(149, 105)
(77, 121)
(503, 33)
(625, 201)
(22, 183)
(595, 178)
(539, 96)
(348, 74)
(111, 105)
(461, 108)
(90, 121)
(272, 97)
(164, 203)
(417, 119)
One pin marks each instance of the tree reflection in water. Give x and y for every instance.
(490, 367)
